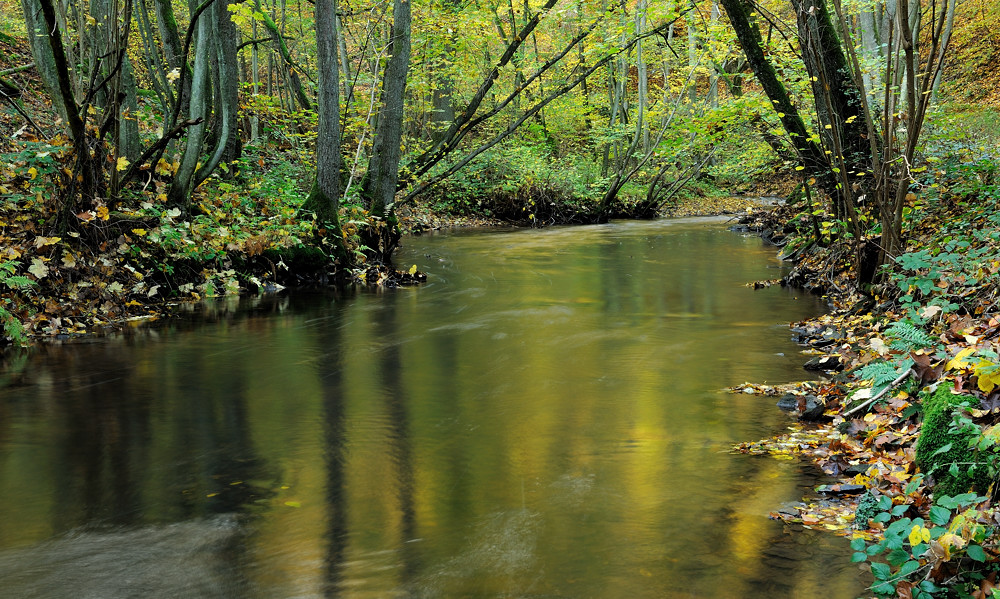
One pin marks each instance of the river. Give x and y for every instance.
(546, 417)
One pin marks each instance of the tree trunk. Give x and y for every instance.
(41, 51)
(747, 33)
(183, 183)
(324, 199)
(294, 81)
(379, 185)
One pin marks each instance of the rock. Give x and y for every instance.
(812, 408)
(842, 489)
(789, 402)
(824, 363)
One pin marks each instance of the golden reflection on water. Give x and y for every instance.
(542, 419)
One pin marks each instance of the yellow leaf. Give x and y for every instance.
(959, 362)
(989, 375)
(102, 212)
(33, 172)
(950, 541)
(293, 503)
(413, 269)
(918, 534)
(122, 163)
(139, 232)
(851, 119)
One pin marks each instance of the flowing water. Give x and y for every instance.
(543, 418)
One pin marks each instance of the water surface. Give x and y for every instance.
(543, 418)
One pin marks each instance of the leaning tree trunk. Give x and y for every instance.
(227, 139)
(183, 183)
(809, 152)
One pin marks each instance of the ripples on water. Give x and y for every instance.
(544, 418)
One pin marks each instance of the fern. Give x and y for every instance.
(11, 326)
(882, 372)
(906, 337)
(17, 281)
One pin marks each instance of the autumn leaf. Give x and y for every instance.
(122, 163)
(102, 212)
(919, 534)
(38, 268)
(958, 362)
(33, 172)
(413, 269)
(44, 241)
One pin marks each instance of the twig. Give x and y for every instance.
(878, 395)
(13, 70)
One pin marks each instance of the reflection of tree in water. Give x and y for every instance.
(117, 480)
(219, 469)
(329, 371)
(391, 384)
(400, 443)
(104, 445)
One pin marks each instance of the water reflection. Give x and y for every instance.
(543, 418)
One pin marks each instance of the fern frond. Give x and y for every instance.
(17, 282)
(907, 337)
(879, 373)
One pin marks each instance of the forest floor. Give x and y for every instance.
(931, 323)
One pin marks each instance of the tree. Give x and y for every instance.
(382, 176)
(857, 154)
(324, 199)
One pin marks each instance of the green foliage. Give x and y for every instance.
(882, 372)
(946, 448)
(522, 183)
(956, 268)
(904, 337)
(12, 327)
(907, 337)
(909, 547)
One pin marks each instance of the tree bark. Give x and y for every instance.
(324, 199)
(379, 186)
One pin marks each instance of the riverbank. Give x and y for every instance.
(906, 418)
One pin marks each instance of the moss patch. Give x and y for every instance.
(936, 433)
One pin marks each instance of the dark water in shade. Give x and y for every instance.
(542, 419)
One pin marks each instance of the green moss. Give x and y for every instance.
(936, 433)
